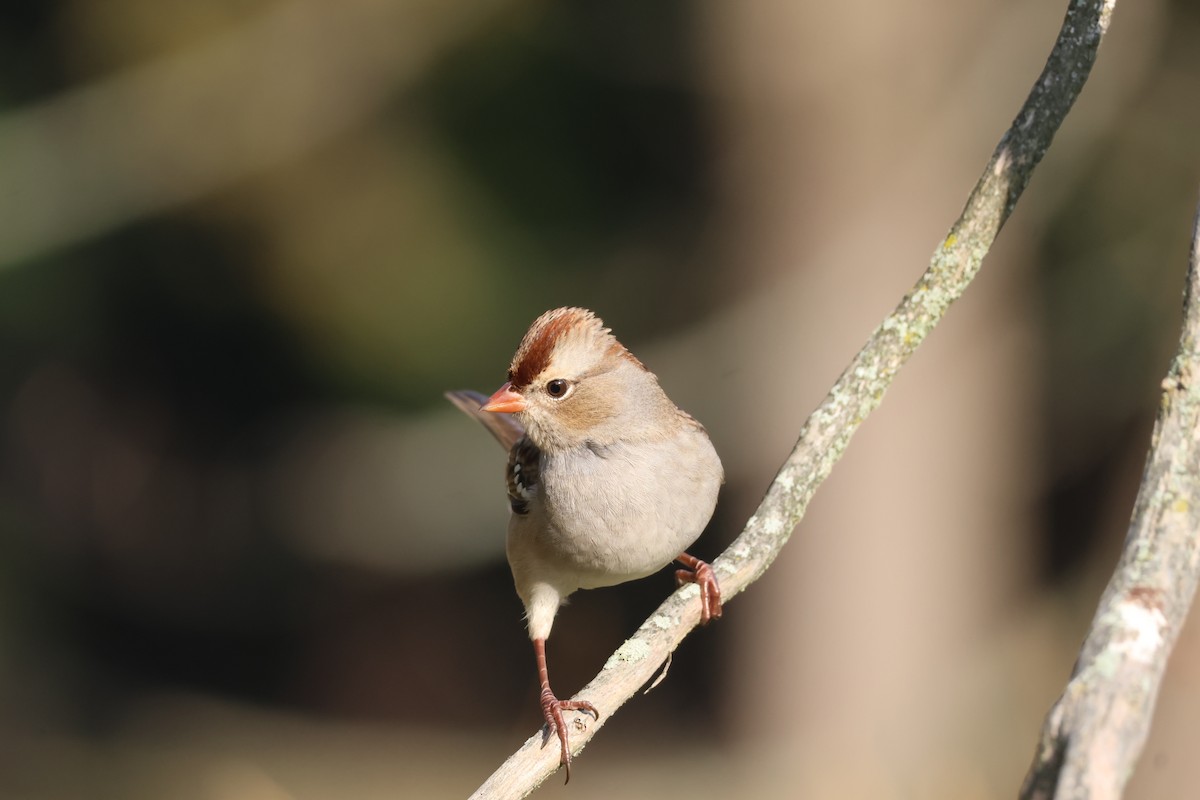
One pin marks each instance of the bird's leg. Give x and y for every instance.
(700, 573)
(552, 707)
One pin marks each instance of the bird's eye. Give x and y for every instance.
(557, 388)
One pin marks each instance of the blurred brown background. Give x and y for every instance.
(248, 551)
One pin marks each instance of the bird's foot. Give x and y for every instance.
(552, 710)
(700, 573)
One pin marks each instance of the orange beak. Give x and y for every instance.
(505, 401)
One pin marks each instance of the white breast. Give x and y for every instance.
(607, 517)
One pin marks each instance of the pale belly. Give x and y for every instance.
(631, 520)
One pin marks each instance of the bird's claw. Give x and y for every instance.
(702, 574)
(552, 710)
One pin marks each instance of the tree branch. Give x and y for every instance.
(1094, 734)
(858, 391)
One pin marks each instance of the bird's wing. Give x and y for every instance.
(504, 427)
(523, 474)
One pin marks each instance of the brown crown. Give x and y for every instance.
(533, 356)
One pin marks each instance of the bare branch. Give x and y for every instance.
(1095, 732)
(858, 391)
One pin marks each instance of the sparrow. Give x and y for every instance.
(608, 480)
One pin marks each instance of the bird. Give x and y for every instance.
(608, 480)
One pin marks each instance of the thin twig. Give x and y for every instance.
(1095, 732)
(857, 392)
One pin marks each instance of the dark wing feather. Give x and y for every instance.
(523, 474)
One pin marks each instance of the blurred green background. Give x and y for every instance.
(248, 551)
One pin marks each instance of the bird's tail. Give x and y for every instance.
(504, 427)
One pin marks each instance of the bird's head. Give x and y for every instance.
(572, 383)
